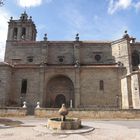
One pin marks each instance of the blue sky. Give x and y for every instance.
(62, 19)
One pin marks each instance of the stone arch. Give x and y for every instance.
(56, 86)
(135, 58)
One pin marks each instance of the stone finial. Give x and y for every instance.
(11, 18)
(24, 105)
(30, 18)
(71, 104)
(45, 37)
(126, 35)
(63, 112)
(77, 37)
(38, 105)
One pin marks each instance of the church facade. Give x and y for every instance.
(87, 74)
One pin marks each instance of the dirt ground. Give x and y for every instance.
(24, 129)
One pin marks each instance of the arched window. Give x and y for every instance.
(135, 58)
(23, 33)
(15, 32)
(24, 86)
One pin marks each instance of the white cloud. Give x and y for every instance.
(29, 3)
(137, 5)
(115, 5)
(4, 17)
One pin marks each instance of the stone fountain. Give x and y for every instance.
(64, 123)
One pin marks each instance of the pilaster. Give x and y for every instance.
(135, 91)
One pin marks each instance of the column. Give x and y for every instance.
(124, 90)
(135, 91)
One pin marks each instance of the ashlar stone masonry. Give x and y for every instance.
(87, 74)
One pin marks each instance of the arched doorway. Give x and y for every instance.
(59, 100)
(60, 90)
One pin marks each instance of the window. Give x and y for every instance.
(15, 32)
(30, 58)
(24, 86)
(23, 33)
(135, 58)
(61, 59)
(101, 84)
(97, 57)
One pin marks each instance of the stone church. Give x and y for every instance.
(81, 74)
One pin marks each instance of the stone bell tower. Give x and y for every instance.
(21, 29)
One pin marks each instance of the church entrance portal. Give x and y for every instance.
(60, 90)
(59, 100)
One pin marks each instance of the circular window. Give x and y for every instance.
(97, 57)
(61, 60)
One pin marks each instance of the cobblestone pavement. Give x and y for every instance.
(104, 130)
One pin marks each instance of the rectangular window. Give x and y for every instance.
(24, 86)
(101, 84)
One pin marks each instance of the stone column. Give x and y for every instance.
(124, 90)
(135, 91)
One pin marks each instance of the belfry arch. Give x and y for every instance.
(135, 58)
(59, 90)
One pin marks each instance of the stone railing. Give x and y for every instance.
(13, 111)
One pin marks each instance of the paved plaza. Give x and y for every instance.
(25, 129)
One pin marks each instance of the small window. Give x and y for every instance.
(97, 57)
(101, 84)
(24, 86)
(30, 58)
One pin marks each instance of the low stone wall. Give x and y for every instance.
(13, 111)
(91, 114)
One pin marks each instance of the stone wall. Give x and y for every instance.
(121, 51)
(90, 92)
(130, 87)
(88, 51)
(17, 52)
(91, 114)
(5, 83)
(14, 112)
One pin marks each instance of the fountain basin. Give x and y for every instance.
(68, 124)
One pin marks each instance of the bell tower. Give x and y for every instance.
(22, 29)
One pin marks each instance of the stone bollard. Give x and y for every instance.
(24, 105)
(38, 105)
